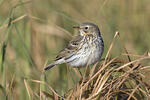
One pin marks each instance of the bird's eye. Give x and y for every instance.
(86, 28)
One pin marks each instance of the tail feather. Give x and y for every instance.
(49, 67)
(60, 61)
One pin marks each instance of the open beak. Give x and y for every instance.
(76, 27)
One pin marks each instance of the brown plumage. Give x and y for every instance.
(82, 50)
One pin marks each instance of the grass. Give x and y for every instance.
(33, 32)
(113, 79)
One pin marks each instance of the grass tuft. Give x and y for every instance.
(114, 78)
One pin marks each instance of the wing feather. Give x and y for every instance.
(71, 48)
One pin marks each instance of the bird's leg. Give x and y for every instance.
(80, 71)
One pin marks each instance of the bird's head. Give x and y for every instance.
(87, 28)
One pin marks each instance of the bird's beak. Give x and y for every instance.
(76, 27)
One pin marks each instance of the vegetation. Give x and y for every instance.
(32, 32)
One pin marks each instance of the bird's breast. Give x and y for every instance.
(89, 52)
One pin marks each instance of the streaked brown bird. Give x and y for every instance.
(84, 49)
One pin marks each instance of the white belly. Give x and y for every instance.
(85, 57)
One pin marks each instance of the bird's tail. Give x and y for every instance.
(49, 66)
(60, 61)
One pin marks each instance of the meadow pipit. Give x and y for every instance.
(84, 49)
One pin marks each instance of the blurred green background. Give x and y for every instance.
(32, 32)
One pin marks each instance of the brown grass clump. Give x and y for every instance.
(113, 79)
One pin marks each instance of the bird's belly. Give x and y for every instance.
(85, 57)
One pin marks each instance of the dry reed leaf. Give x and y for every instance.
(46, 95)
(134, 55)
(110, 47)
(92, 70)
(41, 82)
(52, 30)
(137, 60)
(27, 88)
(148, 53)
(77, 73)
(13, 21)
(131, 95)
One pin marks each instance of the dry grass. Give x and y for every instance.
(112, 79)
(32, 32)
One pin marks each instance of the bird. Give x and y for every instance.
(84, 49)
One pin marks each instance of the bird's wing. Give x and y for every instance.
(71, 48)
